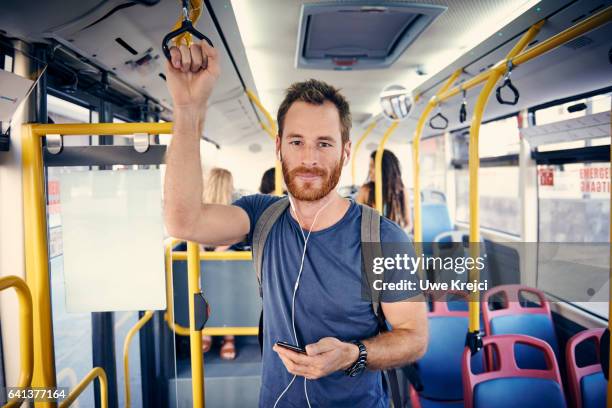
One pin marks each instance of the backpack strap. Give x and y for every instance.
(370, 235)
(262, 230)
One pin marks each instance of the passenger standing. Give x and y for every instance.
(395, 198)
(219, 190)
(346, 347)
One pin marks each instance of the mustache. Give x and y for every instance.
(307, 171)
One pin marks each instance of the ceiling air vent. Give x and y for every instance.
(359, 35)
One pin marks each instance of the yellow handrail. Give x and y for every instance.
(195, 336)
(378, 182)
(416, 155)
(596, 20)
(26, 348)
(272, 132)
(363, 137)
(474, 165)
(169, 315)
(78, 390)
(126, 354)
(215, 256)
(35, 230)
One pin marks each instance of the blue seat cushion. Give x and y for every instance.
(593, 390)
(427, 403)
(535, 325)
(518, 392)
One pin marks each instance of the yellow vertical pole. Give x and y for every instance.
(474, 166)
(36, 260)
(278, 178)
(378, 183)
(195, 336)
(363, 137)
(416, 166)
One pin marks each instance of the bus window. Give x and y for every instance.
(433, 163)
(579, 194)
(499, 202)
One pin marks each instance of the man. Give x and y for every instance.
(328, 311)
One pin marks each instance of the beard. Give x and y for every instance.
(307, 191)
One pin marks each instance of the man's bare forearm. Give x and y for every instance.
(395, 348)
(183, 178)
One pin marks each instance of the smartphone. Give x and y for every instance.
(291, 347)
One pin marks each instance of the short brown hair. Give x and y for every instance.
(316, 93)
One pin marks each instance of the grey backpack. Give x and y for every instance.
(370, 233)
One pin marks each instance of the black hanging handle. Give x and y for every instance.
(186, 27)
(463, 112)
(463, 109)
(444, 121)
(507, 83)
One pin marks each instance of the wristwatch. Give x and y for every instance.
(360, 364)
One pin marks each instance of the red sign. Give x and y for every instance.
(547, 177)
(595, 180)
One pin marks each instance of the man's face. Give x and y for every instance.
(312, 151)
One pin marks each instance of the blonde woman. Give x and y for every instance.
(218, 189)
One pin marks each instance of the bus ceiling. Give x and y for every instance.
(124, 39)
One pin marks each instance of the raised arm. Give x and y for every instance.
(191, 77)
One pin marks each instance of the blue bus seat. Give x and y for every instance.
(436, 220)
(440, 368)
(509, 385)
(587, 384)
(516, 317)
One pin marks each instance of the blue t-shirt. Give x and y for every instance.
(328, 303)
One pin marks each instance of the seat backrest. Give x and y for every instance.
(587, 384)
(436, 219)
(517, 318)
(511, 386)
(440, 368)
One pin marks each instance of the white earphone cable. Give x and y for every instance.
(295, 288)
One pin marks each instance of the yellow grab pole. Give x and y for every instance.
(363, 137)
(78, 390)
(416, 166)
(378, 183)
(75, 129)
(474, 165)
(272, 132)
(169, 315)
(195, 336)
(36, 260)
(599, 19)
(126, 354)
(215, 256)
(231, 331)
(25, 332)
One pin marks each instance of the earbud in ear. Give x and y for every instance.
(279, 156)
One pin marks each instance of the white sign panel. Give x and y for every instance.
(113, 240)
(13, 89)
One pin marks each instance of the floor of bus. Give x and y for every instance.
(229, 384)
